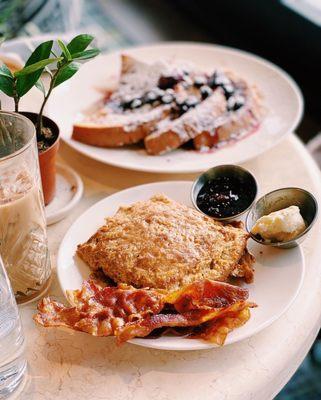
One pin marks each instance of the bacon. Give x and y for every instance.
(206, 294)
(100, 310)
(193, 318)
(209, 310)
(121, 300)
(146, 326)
(217, 329)
(52, 313)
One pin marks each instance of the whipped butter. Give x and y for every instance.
(280, 226)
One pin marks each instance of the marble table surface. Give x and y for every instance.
(72, 366)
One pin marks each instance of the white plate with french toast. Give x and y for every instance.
(153, 237)
(176, 107)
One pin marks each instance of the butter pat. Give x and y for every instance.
(280, 226)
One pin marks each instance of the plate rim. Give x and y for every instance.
(58, 215)
(253, 57)
(199, 345)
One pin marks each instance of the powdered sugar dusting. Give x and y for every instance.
(128, 120)
(228, 109)
(206, 117)
(140, 77)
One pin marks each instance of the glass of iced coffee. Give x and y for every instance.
(23, 237)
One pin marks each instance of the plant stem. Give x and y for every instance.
(16, 104)
(15, 96)
(39, 125)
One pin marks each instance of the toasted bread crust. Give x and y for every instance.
(110, 136)
(205, 140)
(158, 144)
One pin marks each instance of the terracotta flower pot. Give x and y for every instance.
(47, 158)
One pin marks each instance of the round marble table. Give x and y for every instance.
(74, 366)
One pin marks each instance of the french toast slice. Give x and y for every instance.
(236, 123)
(117, 130)
(119, 121)
(171, 134)
(167, 104)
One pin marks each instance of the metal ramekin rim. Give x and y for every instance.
(232, 216)
(307, 229)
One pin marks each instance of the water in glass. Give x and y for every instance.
(12, 361)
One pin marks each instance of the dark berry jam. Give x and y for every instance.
(166, 82)
(228, 90)
(205, 91)
(191, 101)
(167, 99)
(151, 97)
(235, 102)
(136, 103)
(225, 196)
(182, 106)
(200, 81)
(218, 79)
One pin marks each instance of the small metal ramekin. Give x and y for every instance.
(277, 200)
(234, 171)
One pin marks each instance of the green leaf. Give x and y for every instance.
(39, 85)
(26, 82)
(6, 80)
(40, 65)
(5, 71)
(64, 49)
(79, 43)
(6, 85)
(86, 54)
(41, 52)
(66, 72)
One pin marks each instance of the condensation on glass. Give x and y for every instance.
(23, 238)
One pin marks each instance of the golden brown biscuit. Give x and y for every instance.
(160, 243)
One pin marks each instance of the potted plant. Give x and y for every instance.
(17, 84)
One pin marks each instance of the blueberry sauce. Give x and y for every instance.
(166, 82)
(164, 93)
(225, 196)
(205, 91)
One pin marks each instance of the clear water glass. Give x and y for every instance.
(12, 361)
(23, 230)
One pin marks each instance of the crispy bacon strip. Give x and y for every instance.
(195, 318)
(207, 295)
(100, 311)
(216, 330)
(211, 308)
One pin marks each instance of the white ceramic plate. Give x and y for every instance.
(69, 190)
(282, 99)
(278, 276)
